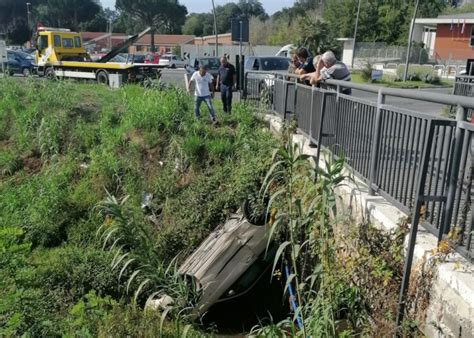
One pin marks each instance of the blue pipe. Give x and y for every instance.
(293, 300)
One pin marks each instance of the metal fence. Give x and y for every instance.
(389, 148)
(464, 85)
(422, 164)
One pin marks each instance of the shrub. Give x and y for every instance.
(366, 72)
(419, 73)
(195, 149)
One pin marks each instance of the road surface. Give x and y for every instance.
(176, 77)
(413, 105)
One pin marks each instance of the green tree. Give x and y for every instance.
(67, 13)
(225, 14)
(316, 35)
(199, 24)
(380, 20)
(251, 8)
(164, 16)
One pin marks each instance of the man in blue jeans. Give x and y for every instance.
(225, 81)
(202, 91)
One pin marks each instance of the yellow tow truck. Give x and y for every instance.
(61, 53)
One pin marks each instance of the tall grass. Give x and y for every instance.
(63, 146)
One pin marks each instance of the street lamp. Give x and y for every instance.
(28, 15)
(410, 37)
(355, 34)
(215, 27)
(28, 12)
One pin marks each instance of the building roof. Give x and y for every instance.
(160, 39)
(96, 36)
(166, 39)
(445, 21)
(457, 16)
(223, 35)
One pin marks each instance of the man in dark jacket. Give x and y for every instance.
(329, 67)
(226, 80)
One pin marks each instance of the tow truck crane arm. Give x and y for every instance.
(123, 46)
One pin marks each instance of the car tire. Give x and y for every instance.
(102, 77)
(173, 66)
(50, 74)
(26, 72)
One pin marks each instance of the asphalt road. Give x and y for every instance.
(173, 76)
(176, 77)
(413, 105)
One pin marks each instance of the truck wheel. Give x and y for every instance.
(50, 74)
(102, 77)
(26, 72)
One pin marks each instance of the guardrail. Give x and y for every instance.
(464, 86)
(421, 163)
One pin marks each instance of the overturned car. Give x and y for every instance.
(229, 262)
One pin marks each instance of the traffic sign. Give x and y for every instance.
(240, 30)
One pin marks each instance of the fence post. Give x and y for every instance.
(244, 91)
(414, 228)
(461, 115)
(374, 156)
(311, 116)
(321, 122)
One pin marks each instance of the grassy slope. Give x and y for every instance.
(62, 146)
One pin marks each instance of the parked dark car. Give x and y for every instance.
(133, 58)
(262, 84)
(20, 63)
(212, 64)
(267, 63)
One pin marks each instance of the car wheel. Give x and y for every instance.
(50, 74)
(102, 77)
(26, 72)
(173, 66)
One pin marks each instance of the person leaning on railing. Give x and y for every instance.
(294, 64)
(328, 67)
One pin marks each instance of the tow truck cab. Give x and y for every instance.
(59, 44)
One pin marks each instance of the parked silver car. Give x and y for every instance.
(171, 61)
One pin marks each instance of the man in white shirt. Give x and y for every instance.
(202, 92)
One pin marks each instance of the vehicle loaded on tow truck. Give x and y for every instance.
(60, 53)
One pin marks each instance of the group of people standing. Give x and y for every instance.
(204, 87)
(314, 70)
(311, 70)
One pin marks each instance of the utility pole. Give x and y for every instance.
(28, 13)
(241, 64)
(410, 37)
(215, 28)
(110, 29)
(355, 35)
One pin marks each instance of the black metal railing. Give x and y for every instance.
(383, 144)
(421, 163)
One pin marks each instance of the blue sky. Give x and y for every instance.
(197, 6)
